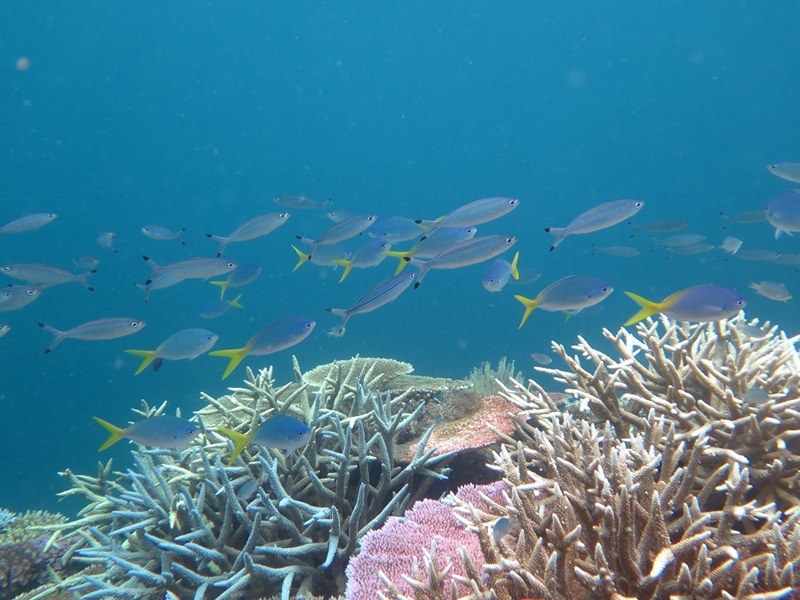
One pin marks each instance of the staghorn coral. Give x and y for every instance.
(483, 379)
(182, 524)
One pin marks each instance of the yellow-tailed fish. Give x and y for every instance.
(783, 212)
(381, 294)
(193, 268)
(242, 275)
(498, 273)
(789, 171)
(15, 297)
(369, 254)
(280, 334)
(217, 308)
(433, 243)
(474, 213)
(396, 229)
(164, 431)
(27, 222)
(699, 304)
(324, 256)
(338, 232)
(281, 431)
(600, 217)
(570, 293)
(252, 229)
(102, 329)
(187, 344)
(159, 232)
(464, 254)
(44, 276)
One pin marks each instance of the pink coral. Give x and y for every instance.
(395, 548)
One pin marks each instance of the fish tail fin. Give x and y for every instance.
(151, 263)
(57, 334)
(530, 305)
(116, 433)
(236, 355)
(223, 286)
(568, 314)
(514, 269)
(559, 232)
(84, 279)
(400, 255)
(235, 302)
(347, 264)
(648, 308)
(303, 258)
(240, 441)
(147, 355)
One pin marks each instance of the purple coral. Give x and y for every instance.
(23, 565)
(395, 549)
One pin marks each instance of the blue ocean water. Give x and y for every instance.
(195, 115)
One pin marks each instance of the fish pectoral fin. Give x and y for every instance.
(530, 305)
(240, 441)
(116, 433)
(147, 355)
(649, 308)
(236, 355)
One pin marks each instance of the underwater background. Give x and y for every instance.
(196, 115)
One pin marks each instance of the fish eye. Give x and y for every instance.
(509, 239)
(231, 265)
(308, 325)
(134, 324)
(5, 268)
(31, 292)
(301, 433)
(514, 202)
(283, 215)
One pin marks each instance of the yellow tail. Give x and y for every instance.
(235, 302)
(116, 433)
(236, 355)
(149, 356)
(514, 270)
(223, 285)
(240, 441)
(347, 264)
(402, 256)
(648, 308)
(530, 305)
(304, 258)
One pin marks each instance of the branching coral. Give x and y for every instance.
(183, 523)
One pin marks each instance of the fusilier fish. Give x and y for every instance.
(433, 243)
(159, 232)
(600, 217)
(15, 297)
(772, 290)
(217, 308)
(102, 329)
(498, 273)
(681, 239)
(301, 202)
(280, 334)
(783, 212)
(396, 229)
(193, 268)
(570, 293)
(663, 226)
(786, 170)
(369, 254)
(187, 344)
(252, 229)
(338, 232)
(474, 213)
(45, 276)
(105, 239)
(381, 294)
(699, 304)
(27, 222)
(87, 262)
(746, 218)
(324, 256)
(620, 251)
(164, 431)
(159, 281)
(241, 275)
(467, 253)
(280, 431)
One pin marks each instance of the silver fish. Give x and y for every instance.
(474, 213)
(600, 217)
(570, 293)
(300, 202)
(252, 229)
(786, 170)
(338, 232)
(620, 251)
(698, 304)
(773, 290)
(105, 239)
(433, 243)
(27, 222)
(45, 276)
(187, 344)
(16, 297)
(681, 239)
(194, 268)
(381, 294)
(499, 272)
(369, 254)
(731, 245)
(242, 275)
(159, 232)
(102, 329)
(87, 262)
(324, 256)
(783, 212)
(395, 229)
(466, 253)
(746, 218)
(158, 281)
(664, 226)
(163, 431)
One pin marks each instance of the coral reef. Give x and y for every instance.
(182, 523)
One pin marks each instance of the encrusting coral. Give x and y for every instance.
(183, 523)
(655, 490)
